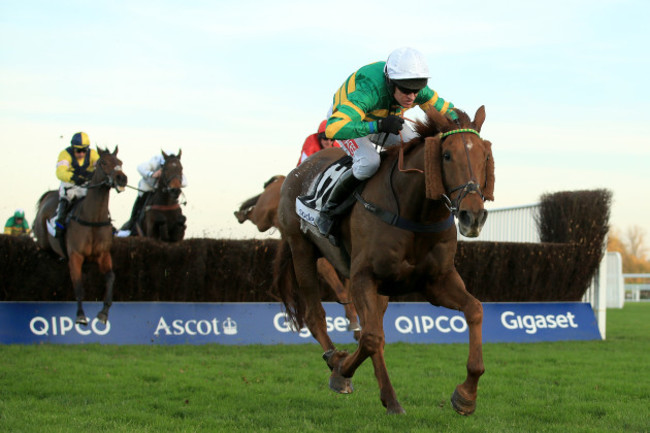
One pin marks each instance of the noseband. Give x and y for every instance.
(469, 187)
(166, 181)
(108, 180)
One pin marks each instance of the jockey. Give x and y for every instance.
(316, 142)
(367, 111)
(150, 171)
(74, 169)
(17, 225)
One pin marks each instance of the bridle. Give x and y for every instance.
(107, 181)
(165, 181)
(472, 185)
(109, 178)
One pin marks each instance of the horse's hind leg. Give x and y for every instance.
(304, 262)
(328, 273)
(371, 308)
(450, 292)
(106, 267)
(75, 262)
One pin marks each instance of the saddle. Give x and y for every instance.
(309, 206)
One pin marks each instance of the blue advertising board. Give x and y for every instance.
(266, 323)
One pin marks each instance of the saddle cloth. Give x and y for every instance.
(308, 206)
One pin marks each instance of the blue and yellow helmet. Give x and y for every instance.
(80, 140)
(19, 213)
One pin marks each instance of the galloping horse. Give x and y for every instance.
(400, 237)
(163, 218)
(89, 233)
(262, 210)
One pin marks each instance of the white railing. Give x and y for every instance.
(519, 224)
(633, 290)
(510, 224)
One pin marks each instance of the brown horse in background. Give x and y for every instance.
(447, 170)
(262, 210)
(89, 232)
(162, 217)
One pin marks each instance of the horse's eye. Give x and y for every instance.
(446, 156)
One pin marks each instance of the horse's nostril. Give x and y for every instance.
(464, 217)
(484, 215)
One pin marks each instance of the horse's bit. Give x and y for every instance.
(108, 180)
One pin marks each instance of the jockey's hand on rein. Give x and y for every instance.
(391, 124)
(78, 179)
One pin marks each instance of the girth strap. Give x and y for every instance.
(403, 223)
(90, 224)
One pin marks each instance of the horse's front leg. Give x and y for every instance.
(105, 263)
(75, 263)
(371, 308)
(450, 292)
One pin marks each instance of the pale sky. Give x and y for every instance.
(240, 85)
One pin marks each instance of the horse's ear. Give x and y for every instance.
(479, 118)
(164, 154)
(100, 151)
(488, 191)
(116, 149)
(433, 168)
(180, 152)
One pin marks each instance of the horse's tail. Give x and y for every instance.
(286, 284)
(250, 202)
(273, 179)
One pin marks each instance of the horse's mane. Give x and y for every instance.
(434, 124)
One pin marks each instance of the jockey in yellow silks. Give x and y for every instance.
(74, 169)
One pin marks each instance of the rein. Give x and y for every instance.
(440, 226)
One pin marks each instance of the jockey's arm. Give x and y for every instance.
(64, 169)
(348, 121)
(428, 98)
(148, 168)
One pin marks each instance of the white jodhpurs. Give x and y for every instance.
(70, 191)
(363, 150)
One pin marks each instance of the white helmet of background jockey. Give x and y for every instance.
(407, 67)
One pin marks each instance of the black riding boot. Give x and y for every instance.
(135, 212)
(61, 212)
(342, 190)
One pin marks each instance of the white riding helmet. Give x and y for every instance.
(407, 67)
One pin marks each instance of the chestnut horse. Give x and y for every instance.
(262, 211)
(398, 238)
(89, 232)
(163, 218)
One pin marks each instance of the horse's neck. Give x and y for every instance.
(409, 188)
(94, 206)
(163, 197)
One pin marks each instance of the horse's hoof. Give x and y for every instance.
(395, 410)
(356, 335)
(461, 404)
(82, 320)
(102, 317)
(354, 327)
(340, 384)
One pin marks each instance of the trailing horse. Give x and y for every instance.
(89, 232)
(162, 217)
(262, 211)
(399, 237)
